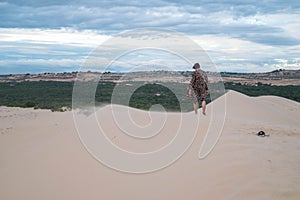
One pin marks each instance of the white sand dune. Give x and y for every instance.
(42, 157)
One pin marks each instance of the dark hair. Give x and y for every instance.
(196, 65)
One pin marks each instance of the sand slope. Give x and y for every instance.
(41, 156)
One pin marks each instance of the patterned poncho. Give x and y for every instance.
(199, 83)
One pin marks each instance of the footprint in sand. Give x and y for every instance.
(5, 130)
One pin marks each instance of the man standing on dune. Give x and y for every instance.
(198, 87)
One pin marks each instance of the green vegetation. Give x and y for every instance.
(45, 95)
(172, 96)
(148, 95)
(289, 91)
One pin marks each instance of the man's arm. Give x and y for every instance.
(206, 83)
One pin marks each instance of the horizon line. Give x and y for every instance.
(120, 72)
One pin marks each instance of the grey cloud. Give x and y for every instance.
(244, 7)
(189, 17)
(272, 40)
(273, 36)
(116, 15)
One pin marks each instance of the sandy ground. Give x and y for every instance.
(42, 157)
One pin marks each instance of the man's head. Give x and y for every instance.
(196, 66)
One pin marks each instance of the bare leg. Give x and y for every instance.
(196, 106)
(203, 107)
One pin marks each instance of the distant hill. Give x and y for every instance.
(276, 77)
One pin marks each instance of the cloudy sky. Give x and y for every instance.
(242, 36)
